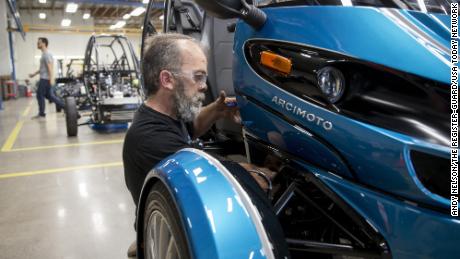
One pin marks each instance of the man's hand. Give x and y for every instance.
(34, 74)
(225, 107)
(222, 107)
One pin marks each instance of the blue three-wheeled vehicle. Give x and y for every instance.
(347, 101)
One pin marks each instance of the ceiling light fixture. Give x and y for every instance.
(86, 16)
(162, 17)
(120, 24)
(71, 7)
(145, 1)
(138, 11)
(117, 25)
(126, 16)
(42, 1)
(42, 16)
(66, 22)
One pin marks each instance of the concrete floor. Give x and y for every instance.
(60, 197)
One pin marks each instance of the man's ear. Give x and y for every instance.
(166, 80)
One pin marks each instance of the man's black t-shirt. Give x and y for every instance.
(152, 137)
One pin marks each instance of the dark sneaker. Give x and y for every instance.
(132, 250)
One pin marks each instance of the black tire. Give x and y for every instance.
(71, 116)
(160, 213)
(58, 109)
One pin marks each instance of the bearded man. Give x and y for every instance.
(175, 72)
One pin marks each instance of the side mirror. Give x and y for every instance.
(227, 9)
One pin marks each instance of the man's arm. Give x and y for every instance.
(34, 74)
(205, 119)
(50, 72)
(212, 112)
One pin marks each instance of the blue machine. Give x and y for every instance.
(350, 101)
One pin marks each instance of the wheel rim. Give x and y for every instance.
(160, 243)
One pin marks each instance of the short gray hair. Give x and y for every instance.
(162, 52)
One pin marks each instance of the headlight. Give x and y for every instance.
(331, 82)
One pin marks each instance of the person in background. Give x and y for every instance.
(46, 79)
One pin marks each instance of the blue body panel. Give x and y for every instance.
(377, 156)
(287, 137)
(377, 165)
(368, 167)
(364, 32)
(212, 212)
(411, 232)
(438, 26)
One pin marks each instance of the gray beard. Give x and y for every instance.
(187, 108)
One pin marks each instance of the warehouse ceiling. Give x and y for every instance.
(103, 12)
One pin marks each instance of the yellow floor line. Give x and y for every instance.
(116, 141)
(14, 134)
(12, 137)
(59, 170)
(26, 111)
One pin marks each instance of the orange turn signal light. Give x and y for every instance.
(276, 62)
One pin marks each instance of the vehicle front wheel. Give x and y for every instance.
(71, 116)
(164, 235)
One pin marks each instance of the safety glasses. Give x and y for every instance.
(197, 77)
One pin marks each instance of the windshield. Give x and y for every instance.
(426, 6)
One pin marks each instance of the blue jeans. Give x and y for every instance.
(44, 91)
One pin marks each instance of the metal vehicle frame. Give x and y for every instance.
(72, 84)
(111, 83)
